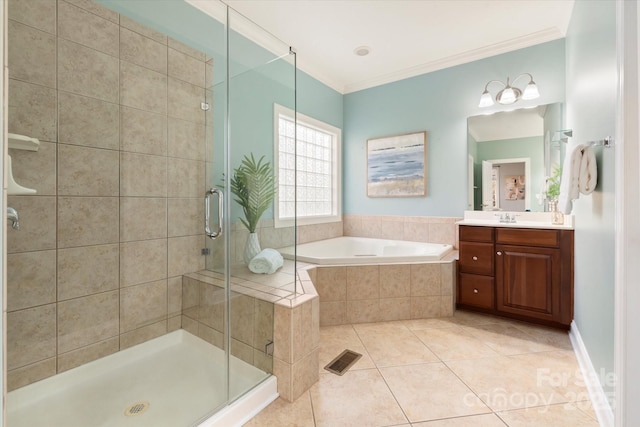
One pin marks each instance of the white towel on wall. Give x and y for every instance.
(588, 171)
(570, 182)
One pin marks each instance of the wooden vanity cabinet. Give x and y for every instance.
(524, 273)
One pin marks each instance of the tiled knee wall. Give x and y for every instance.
(292, 324)
(374, 293)
(203, 308)
(297, 341)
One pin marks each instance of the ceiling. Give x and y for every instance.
(405, 37)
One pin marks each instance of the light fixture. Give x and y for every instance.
(509, 94)
(362, 50)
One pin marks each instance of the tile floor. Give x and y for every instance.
(466, 370)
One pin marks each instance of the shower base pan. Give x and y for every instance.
(173, 380)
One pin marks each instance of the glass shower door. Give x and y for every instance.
(261, 73)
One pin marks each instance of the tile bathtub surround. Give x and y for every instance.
(442, 373)
(373, 293)
(98, 262)
(311, 233)
(413, 228)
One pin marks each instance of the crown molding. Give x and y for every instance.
(271, 43)
(264, 39)
(543, 36)
(244, 26)
(312, 71)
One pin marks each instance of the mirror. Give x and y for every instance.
(510, 156)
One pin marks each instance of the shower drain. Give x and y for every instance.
(137, 408)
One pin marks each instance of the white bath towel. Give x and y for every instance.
(569, 184)
(588, 171)
(266, 262)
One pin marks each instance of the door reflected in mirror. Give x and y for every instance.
(510, 155)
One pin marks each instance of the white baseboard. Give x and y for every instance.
(247, 407)
(598, 397)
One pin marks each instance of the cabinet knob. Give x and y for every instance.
(475, 258)
(475, 290)
(499, 253)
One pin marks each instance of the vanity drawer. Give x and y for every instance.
(471, 233)
(476, 290)
(476, 257)
(528, 237)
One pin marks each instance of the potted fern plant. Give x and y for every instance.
(253, 185)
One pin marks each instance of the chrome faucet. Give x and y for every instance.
(12, 215)
(507, 218)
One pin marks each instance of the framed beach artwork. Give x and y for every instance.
(396, 166)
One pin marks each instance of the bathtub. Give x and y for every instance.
(364, 250)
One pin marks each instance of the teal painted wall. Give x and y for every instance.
(252, 95)
(592, 80)
(258, 79)
(531, 147)
(438, 102)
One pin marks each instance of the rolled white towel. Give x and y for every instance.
(266, 262)
(588, 171)
(569, 184)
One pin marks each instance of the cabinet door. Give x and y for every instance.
(528, 281)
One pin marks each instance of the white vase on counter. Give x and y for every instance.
(251, 248)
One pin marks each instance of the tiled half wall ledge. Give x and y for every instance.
(259, 313)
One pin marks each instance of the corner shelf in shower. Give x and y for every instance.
(19, 142)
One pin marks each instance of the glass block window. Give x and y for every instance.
(308, 165)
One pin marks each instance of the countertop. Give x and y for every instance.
(523, 220)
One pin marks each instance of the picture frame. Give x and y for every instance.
(514, 187)
(397, 165)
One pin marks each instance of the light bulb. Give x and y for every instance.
(485, 100)
(507, 96)
(531, 91)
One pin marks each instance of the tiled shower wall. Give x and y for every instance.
(97, 263)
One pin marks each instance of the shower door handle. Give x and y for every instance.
(207, 212)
